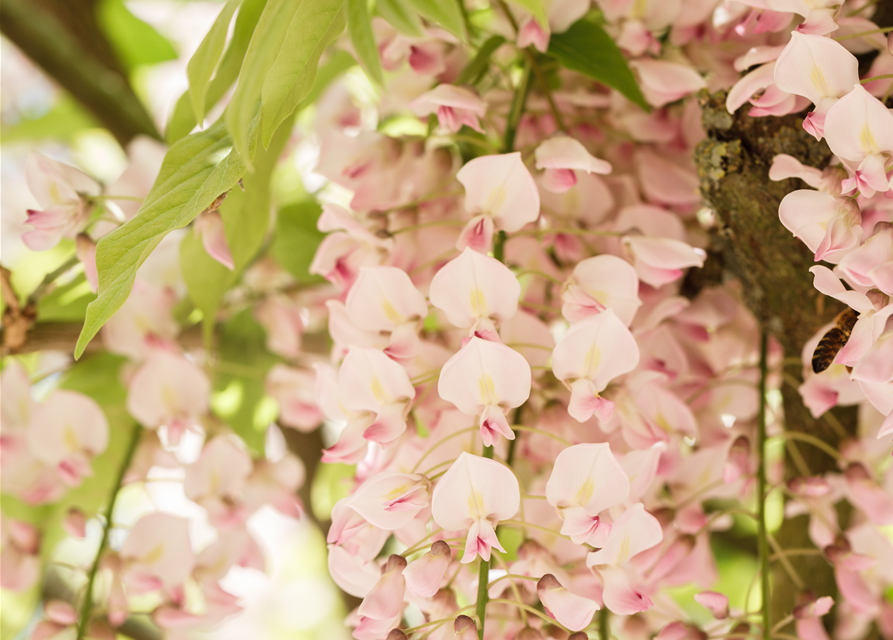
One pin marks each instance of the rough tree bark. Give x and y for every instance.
(752, 245)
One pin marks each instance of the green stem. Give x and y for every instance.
(499, 246)
(84, 617)
(52, 276)
(544, 87)
(517, 108)
(761, 489)
(873, 78)
(483, 598)
(604, 631)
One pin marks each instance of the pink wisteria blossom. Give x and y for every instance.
(475, 494)
(561, 157)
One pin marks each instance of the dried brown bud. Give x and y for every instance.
(396, 634)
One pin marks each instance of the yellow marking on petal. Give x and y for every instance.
(818, 80)
(623, 554)
(170, 399)
(476, 505)
(585, 491)
(662, 422)
(378, 391)
(495, 199)
(869, 145)
(154, 555)
(488, 390)
(593, 357)
(391, 313)
(70, 438)
(478, 303)
(396, 493)
(55, 196)
(639, 10)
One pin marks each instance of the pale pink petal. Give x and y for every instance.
(369, 381)
(75, 523)
(221, 470)
(816, 67)
(619, 596)
(210, 226)
(754, 82)
(716, 603)
(168, 388)
(484, 373)
(453, 105)
(391, 500)
(855, 591)
(573, 611)
(563, 152)
(474, 489)
(477, 234)
(587, 475)
(502, 188)
(85, 249)
(633, 532)
(868, 496)
(663, 82)
(424, 576)
(603, 282)
(858, 125)
(667, 182)
(385, 600)
(158, 546)
(383, 298)
(826, 282)
(598, 349)
(531, 33)
(785, 166)
(351, 573)
(474, 287)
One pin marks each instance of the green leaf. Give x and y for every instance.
(588, 49)
(477, 67)
(534, 7)
(314, 27)
(195, 171)
(336, 64)
(445, 12)
(297, 239)
(204, 61)
(182, 119)
(246, 221)
(359, 26)
(401, 17)
(244, 365)
(136, 42)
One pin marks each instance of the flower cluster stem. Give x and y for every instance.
(761, 489)
(87, 606)
(604, 630)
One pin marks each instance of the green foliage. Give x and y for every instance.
(204, 61)
(359, 26)
(244, 362)
(445, 12)
(182, 119)
(297, 238)
(280, 67)
(588, 49)
(66, 303)
(534, 7)
(246, 221)
(401, 17)
(314, 27)
(66, 119)
(330, 483)
(135, 42)
(478, 66)
(195, 171)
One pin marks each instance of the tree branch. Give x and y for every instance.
(105, 93)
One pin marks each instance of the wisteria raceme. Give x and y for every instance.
(492, 314)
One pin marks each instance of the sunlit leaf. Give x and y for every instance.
(445, 12)
(195, 171)
(182, 119)
(534, 7)
(297, 239)
(401, 16)
(204, 61)
(359, 26)
(136, 42)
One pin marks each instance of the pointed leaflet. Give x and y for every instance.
(283, 28)
(359, 26)
(534, 7)
(196, 170)
(182, 119)
(246, 219)
(475, 70)
(203, 62)
(588, 49)
(401, 17)
(445, 12)
(314, 27)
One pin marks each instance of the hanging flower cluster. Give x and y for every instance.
(545, 423)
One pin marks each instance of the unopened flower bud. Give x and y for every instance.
(464, 628)
(397, 634)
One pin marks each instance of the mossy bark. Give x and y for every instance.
(751, 245)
